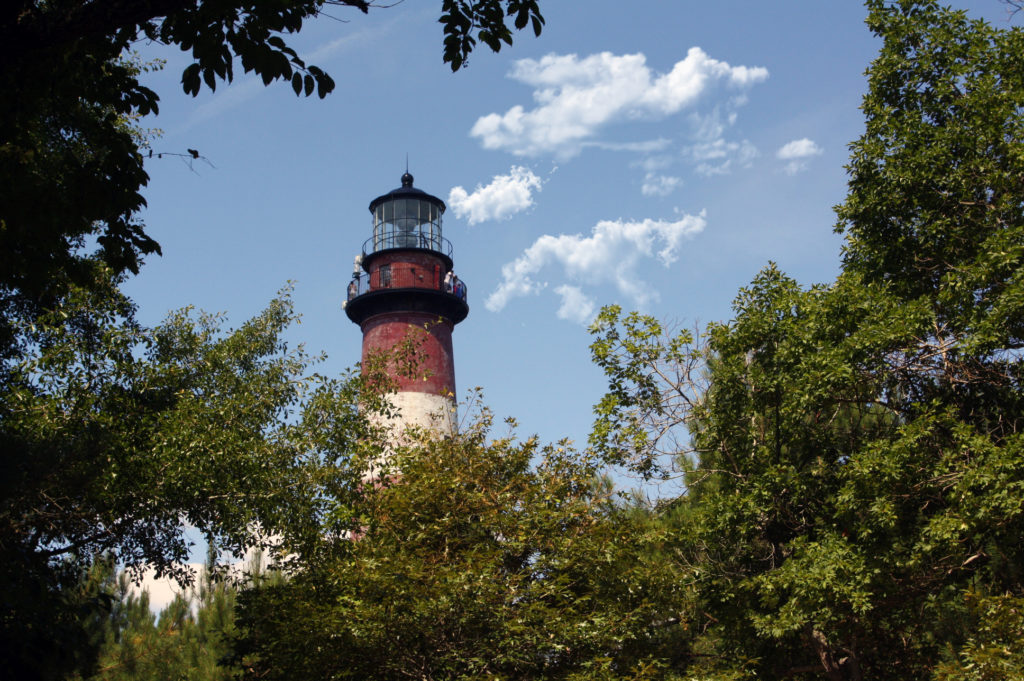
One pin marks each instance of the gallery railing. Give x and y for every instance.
(396, 238)
(407, 277)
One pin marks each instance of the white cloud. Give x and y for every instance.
(798, 153)
(577, 97)
(659, 185)
(718, 157)
(746, 153)
(712, 169)
(645, 147)
(801, 148)
(576, 305)
(652, 164)
(502, 198)
(609, 255)
(711, 152)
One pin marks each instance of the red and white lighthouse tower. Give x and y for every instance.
(403, 286)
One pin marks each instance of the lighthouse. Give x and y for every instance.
(403, 288)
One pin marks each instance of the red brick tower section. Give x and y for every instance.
(403, 288)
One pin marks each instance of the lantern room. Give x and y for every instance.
(407, 217)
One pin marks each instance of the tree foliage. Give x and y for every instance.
(188, 639)
(934, 206)
(855, 512)
(852, 452)
(473, 563)
(115, 437)
(655, 382)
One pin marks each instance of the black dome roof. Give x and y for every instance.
(407, 191)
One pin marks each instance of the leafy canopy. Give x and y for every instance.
(474, 563)
(855, 507)
(113, 436)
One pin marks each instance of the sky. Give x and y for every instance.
(654, 155)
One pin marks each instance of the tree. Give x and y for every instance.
(116, 437)
(188, 639)
(855, 509)
(112, 435)
(474, 564)
(655, 384)
(934, 205)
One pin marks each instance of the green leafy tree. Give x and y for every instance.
(655, 382)
(855, 509)
(188, 639)
(113, 436)
(473, 563)
(116, 437)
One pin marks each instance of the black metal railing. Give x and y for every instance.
(407, 239)
(405, 276)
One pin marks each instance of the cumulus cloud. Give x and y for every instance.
(578, 97)
(801, 148)
(659, 185)
(609, 255)
(576, 305)
(797, 154)
(502, 198)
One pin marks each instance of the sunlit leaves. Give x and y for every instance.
(117, 436)
(855, 509)
(653, 384)
(934, 206)
(500, 560)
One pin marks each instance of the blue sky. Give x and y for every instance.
(651, 154)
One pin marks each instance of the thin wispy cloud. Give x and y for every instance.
(645, 147)
(721, 157)
(247, 86)
(577, 98)
(505, 196)
(232, 95)
(609, 255)
(659, 185)
(713, 154)
(797, 155)
(653, 163)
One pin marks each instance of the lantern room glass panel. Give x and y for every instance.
(407, 223)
